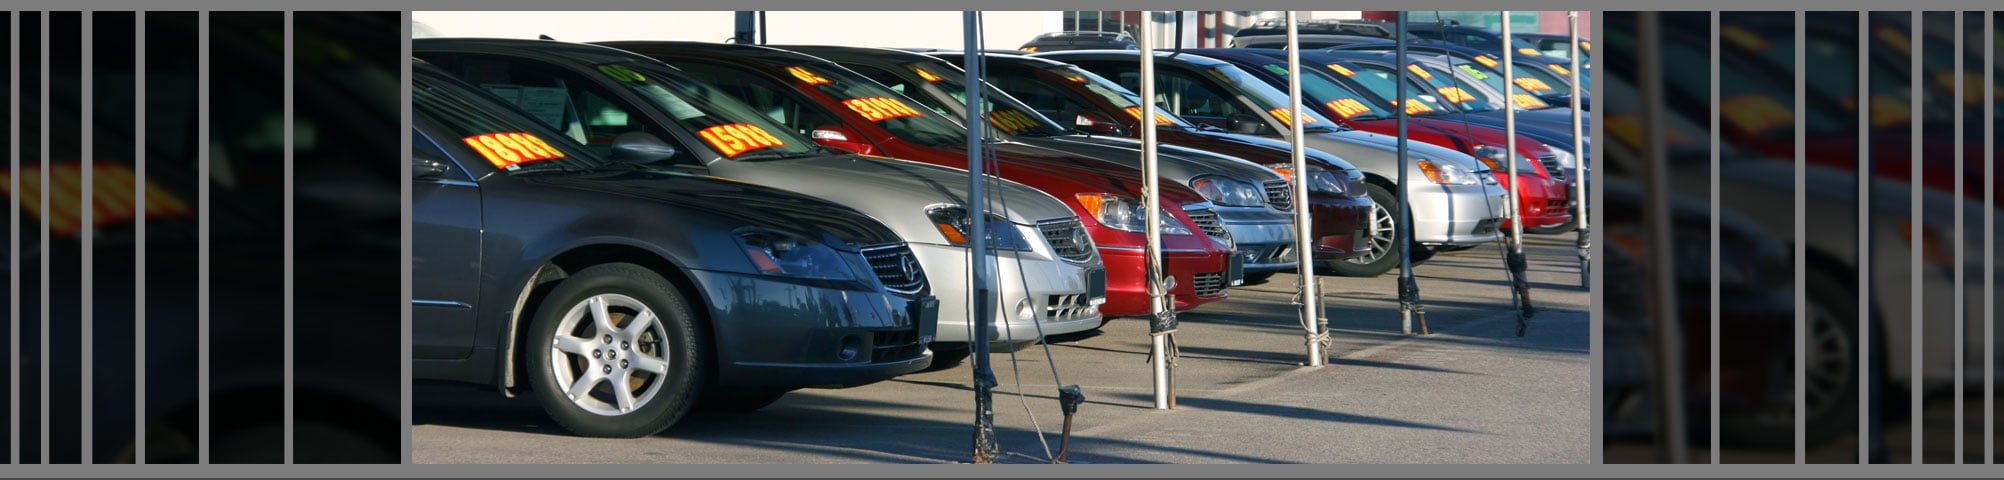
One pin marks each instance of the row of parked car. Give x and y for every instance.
(633, 230)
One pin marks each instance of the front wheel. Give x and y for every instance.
(614, 353)
(1383, 255)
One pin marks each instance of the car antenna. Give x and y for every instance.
(1179, 35)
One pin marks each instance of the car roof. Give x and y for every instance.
(1306, 37)
(957, 56)
(544, 50)
(1160, 55)
(757, 54)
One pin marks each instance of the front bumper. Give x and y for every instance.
(1036, 292)
(1456, 215)
(1264, 238)
(1544, 201)
(1201, 277)
(1342, 226)
(777, 332)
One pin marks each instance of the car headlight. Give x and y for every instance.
(1447, 173)
(784, 254)
(1565, 158)
(1319, 180)
(954, 224)
(1494, 156)
(1125, 214)
(1228, 192)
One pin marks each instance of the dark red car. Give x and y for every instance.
(1098, 106)
(839, 108)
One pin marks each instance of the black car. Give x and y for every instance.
(627, 295)
(1080, 40)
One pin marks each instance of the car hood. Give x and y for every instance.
(1259, 150)
(1177, 163)
(730, 203)
(894, 191)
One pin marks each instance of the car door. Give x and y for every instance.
(445, 252)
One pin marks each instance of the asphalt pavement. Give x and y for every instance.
(1471, 392)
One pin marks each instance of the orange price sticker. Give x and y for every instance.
(1028, 49)
(927, 75)
(1414, 107)
(1011, 121)
(508, 149)
(1529, 51)
(1160, 119)
(1756, 114)
(733, 139)
(1487, 61)
(1533, 84)
(1455, 94)
(1285, 119)
(111, 198)
(1343, 70)
(1528, 102)
(1345, 107)
(1560, 68)
(808, 76)
(1586, 45)
(1418, 70)
(879, 109)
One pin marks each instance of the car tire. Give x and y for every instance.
(1383, 256)
(1833, 347)
(1569, 226)
(577, 379)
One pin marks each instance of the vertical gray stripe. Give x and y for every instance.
(85, 227)
(1596, 304)
(1865, 332)
(1956, 98)
(1716, 113)
(288, 238)
(404, 189)
(1801, 234)
(202, 238)
(46, 214)
(139, 239)
(1914, 194)
(1990, 238)
(14, 239)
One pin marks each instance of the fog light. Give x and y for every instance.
(851, 345)
(1024, 313)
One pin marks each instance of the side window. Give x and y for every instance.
(584, 111)
(1485, 43)
(1428, 34)
(1044, 99)
(774, 101)
(1184, 95)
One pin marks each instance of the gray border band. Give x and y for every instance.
(288, 239)
(1716, 114)
(1801, 232)
(1916, 260)
(1019, 5)
(139, 239)
(1865, 431)
(404, 189)
(1956, 99)
(1990, 239)
(43, 188)
(14, 238)
(1595, 275)
(202, 229)
(86, 226)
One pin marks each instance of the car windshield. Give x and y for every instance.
(1378, 79)
(1119, 96)
(886, 108)
(1480, 71)
(502, 134)
(732, 127)
(1004, 112)
(1340, 100)
(1266, 97)
(1559, 84)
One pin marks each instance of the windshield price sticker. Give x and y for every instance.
(1011, 121)
(1285, 119)
(1528, 102)
(1529, 51)
(1473, 72)
(1343, 70)
(879, 109)
(1417, 70)
(508, 149)
(733, 139)
(112, 202)
(1455, 94)
(1533, 84)
(1561, 69)
(1346, 107)
(927, 75)
(1487, 61)
(1160, 119)
(1414, 107)
(621, 73)
(808, 76)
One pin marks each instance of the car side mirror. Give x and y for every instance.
(425, 168)
(641, 148)
(1249, 125)
(1094, 122)
(842, 138)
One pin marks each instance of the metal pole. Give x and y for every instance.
(1407, 290)
(1579, 153)
(1668, 373)
(1304, 245)
(1159, 305)
(1519, 281)
(984, 307)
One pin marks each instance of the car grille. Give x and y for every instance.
(1278, 195)
(1208, 284)
(1061, 308)
(889, 262)
(1068, 239)
(891, 346)
(1552, 167)
(1207, 221)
